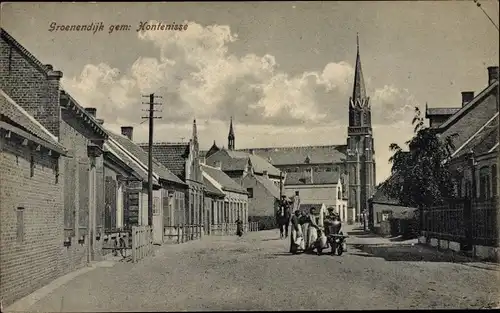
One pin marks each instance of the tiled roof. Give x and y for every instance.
(269, 185)
(171, 155)
(297, 155)
(16, 114)
(318, 178)
(477, 100)
(211, 188)
(142, 155)
(259, 164)
(141, 172)
(482, 141)
(238, 160)
(225, 181)
(441, 111)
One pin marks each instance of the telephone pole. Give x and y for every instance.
(151, 118)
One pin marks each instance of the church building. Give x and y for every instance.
(353, 162)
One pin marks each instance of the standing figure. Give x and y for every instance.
(283, 217)
(239, 227)
(312, 231)
(296, 238)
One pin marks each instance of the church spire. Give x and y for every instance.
(359, 91)
(230, 137)
(195, 131)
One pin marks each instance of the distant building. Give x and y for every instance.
(234, 204)
(183, 160)
(319, 187)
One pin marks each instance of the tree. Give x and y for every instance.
(420, 177)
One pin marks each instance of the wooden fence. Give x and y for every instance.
(117, 241)
(142, 242)
(184, 233)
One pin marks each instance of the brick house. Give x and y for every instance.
(168, 190)
(35, 88)
(234, 205)
(31, 203)
(474, 166)
(183, 160)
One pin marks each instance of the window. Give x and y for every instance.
(339, 193)
(56, 171)
(494, 183)
(484, 183)
(20, 224)
(156, 206)
(379, 217)
(250, 193)
(468, 189)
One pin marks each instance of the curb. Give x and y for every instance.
(23, 304)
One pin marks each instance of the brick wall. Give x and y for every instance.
(33, 262)
(32, 86)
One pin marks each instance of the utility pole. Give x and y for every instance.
(151, 118)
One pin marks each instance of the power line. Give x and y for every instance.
(151, 119)
(479, 6)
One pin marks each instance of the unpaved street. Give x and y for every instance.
(256, 273)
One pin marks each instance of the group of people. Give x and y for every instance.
(305, 229)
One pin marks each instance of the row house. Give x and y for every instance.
(64, 237)
(474, 127)
(234, 204)
(131, 193)
(183, 160)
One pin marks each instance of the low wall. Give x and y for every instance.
(483, 253)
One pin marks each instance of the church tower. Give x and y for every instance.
(360, 148)
(230, 137)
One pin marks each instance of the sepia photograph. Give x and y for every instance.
(249, 156)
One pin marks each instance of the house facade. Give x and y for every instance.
(183, 160)
(263, 199)
(319, 187)
(234, 205)
(168, 189)
(69, 237)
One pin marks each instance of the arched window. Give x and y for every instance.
(484, 183)
(339, 193)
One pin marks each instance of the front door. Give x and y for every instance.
(157, 221)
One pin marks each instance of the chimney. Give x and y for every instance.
(264, 173)
(100, 121)
(128, 131)
(218, 164)
(467, 97)
(492, 74)
(91, 111)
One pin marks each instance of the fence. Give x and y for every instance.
(117, 241)
(469, 222)
(142, 242)
(182, 233)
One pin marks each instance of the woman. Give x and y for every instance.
(304, 223)
(296, 238)
(312, 233)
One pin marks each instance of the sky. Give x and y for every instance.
(282, 70)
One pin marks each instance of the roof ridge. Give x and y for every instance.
(12, 40)
(165, 143)
(292, 147)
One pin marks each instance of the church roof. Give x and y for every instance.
(318, 178)
(171, 155)
(298, 155)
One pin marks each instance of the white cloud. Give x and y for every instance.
(198, 77)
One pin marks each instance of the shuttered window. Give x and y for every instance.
(83, 188)
(70, 194)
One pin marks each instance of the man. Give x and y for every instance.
(283, 217)
(239, 227)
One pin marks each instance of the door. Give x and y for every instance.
(157, 221)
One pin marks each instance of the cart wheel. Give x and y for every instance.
(340, 251)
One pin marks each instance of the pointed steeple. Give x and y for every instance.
(195, 131)
(359, 91)
(230, 137)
